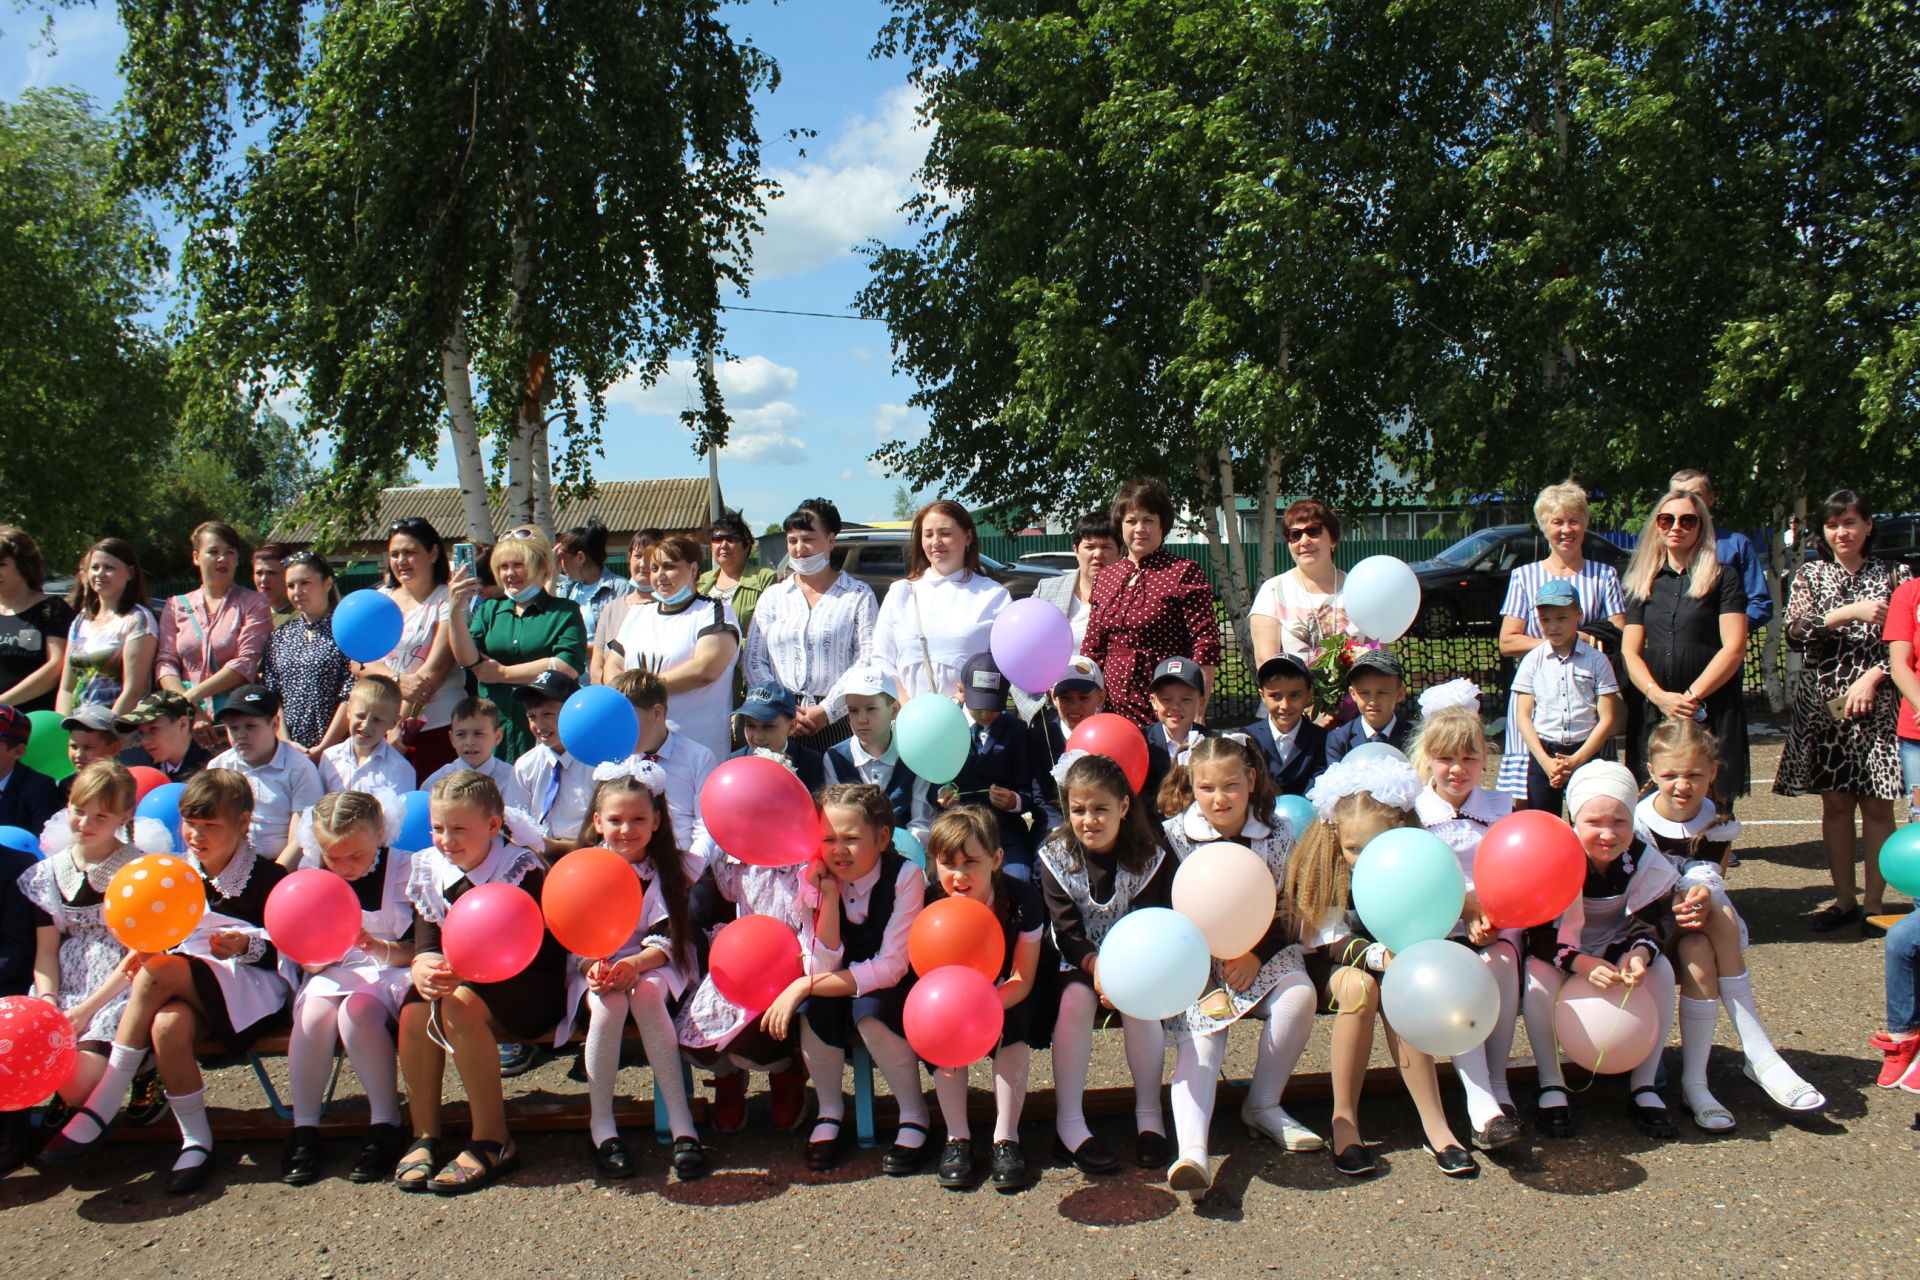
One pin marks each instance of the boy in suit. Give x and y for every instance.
(872, 756)
(1179, 697)
(999, 768)
(1377, 683)
(1080, 693)
(1294, 746)
(28, 797)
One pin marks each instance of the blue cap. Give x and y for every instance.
(1555, 591)
(767, 702)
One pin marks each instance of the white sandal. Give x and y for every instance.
(1784, 1085)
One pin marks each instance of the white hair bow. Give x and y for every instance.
(1454, 693)
(1065, 763)
(1391, 782)
(647, 773)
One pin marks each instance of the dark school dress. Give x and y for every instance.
(527, 1005)
(835, 1018)
(1020, 909)
(228, 992)
(1083, 903)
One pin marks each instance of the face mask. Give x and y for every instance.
(679, 597)
(525, 593)
(807, 566)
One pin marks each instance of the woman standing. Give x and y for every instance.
(304, 666)
(813, 626)
(508, 642)
(1150, 606)
(604, 666)
(1093, 550)
(1685, 638)
(422, 662)
(1562, 514)
(33, 625)
(730, 579)
(941, 613)
(212, 638)
(111, 641)
(1842, 740)
(580, 554)
(691, 640)
(1296, 610)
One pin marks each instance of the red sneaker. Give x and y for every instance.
(1898, 1061)
(788, 1092)
(729, 1111)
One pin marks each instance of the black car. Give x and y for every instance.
(878, 557)
(1463, 587)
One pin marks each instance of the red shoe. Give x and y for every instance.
(788, 1093)
(1899, 1058)
(729, 1110)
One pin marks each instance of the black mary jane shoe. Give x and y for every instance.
(1653, 1118)
(1152, 1150)
(1553, 1122)
(184, 1182)
(1354, 1161)
(1501, 1131)
(64, 1150)
(1092, 1157)
(382, 1151)
(300, 1161)
(824, 1154)
(689, 1159)
(1455, 1161)
(1011, 1172)
(901, 1161)
(614, 1158)
(956, 1164)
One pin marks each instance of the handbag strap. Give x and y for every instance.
(913, 589)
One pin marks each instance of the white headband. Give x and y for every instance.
(1391, 782)
(1601, 780)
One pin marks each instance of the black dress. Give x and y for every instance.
(241, 892)
(1682, 637)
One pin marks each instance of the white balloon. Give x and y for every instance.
(1440, 997)
(1382, 597)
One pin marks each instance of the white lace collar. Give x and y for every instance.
(1651, 821)
(1194, 825)
(231, 882)
(1482, 807)
(69, 874)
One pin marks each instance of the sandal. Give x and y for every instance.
(1784, 1086)
(1653, 1118)
(1832, 916)
(497, 1160)
(425, 1168)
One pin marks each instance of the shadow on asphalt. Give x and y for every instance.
(1123, 1201)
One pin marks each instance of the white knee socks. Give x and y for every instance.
(1736, 995)
(1697, 1018)
(196, 1132)
(123, 1063)
(825, 1066)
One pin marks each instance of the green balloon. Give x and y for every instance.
(47, 748)
(1900, 859)
(932, 734)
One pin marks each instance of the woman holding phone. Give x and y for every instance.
(422, 662)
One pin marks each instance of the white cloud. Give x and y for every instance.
(752, 383)
(762, 437)
(898, 422)
(827, 207)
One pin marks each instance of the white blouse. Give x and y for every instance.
(957, 613)
(417, 631)
(659, 641)
(809, 650)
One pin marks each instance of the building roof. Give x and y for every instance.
(621, 505)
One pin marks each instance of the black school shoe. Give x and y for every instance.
(1152, 1150)
(1455, 1161)
(385, 1144)
(1501, 1131)
(824, 1155)
(902, 1162)
(300, 1162)
(689, 1159)
(1011, 1172)
(956, 1164)
(1554, 1122)
(1354, 1161)
(1091, 1157)
(184, 1182)
(613, 1158)
(1653, 1117)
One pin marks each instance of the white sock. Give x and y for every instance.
(1659, 984)
(310, 1057)
(123, 1063)
(1288, 1010)
(950, 1087)
(1500, 958)
(1697, 1019)
(1010, 1069)
(367, 1031)
(1146, 1062)
(825, 1067)
(1471, 1067)
(1736, 994)
(196, 1131)
(1536, 1000)
(606, 1021)
(900, 1068)
(1072, 1055)
(1196, 1077)
(662, 1043)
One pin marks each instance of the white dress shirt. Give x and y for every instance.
(957, 614)
(512, 793)
(889, 964)
(283, 786)
(878, 770)
(386, 768)
(559, 788)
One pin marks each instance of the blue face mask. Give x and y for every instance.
(679, 597)
(524, 594)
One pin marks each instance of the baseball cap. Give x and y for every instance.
(766, 702)
(869, 681)
(1380, 660)
(159, 703)
(557, 686)
(250, 700)
(1185, 670)
(1082, 675)
(1282, 666)
(982, 687)
(1555, 591)
(97, 716)
(14, 725)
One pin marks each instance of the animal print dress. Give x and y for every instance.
(1858, 755)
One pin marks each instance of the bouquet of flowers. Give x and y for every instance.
(1329, 666)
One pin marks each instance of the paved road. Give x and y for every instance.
(1828, 1196)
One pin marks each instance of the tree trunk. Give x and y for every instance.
(542, 480)
(1233, 593)
(456, 373)
(528, 396)
(519, 476)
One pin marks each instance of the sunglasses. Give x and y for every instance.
(1300, 531)
(523, 532)
(311, 558)
(1687, 521)
(729, 537)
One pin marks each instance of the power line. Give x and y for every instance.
(818, 315)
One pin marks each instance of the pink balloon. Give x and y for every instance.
(758, 811)
(1600, 1033)
(36, 1052)
(953, 1016)
(1032, 642)
(492, 933)
(313, 917)
(753, 960)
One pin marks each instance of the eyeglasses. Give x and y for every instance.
(1687, 521)
(522, 532)
(1300, 531)
(312, 559)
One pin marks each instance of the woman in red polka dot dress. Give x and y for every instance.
(1149, 607)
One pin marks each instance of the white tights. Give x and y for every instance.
(1483, 1069)
(607, 1017)
(1073, 1055)
(1287, 1011)
(1010, 1067)
(1543, 984)
(361, 1023)
(899, 1066)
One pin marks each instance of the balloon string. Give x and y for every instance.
(434, 1033)
(1600, 1058)
(1357, 962)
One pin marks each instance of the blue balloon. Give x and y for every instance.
(1408, 888)
(416, 829)
(903, 840)
(1297, 813)
(598, 724)
(25, 841)
(1153, 963)
(366, 625)
(162, 804)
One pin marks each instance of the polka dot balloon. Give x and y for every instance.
(36, 1051)
(154, 903)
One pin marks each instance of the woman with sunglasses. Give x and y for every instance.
(303, 664)
(1294, 611)
(730, 579)
(1685, 638)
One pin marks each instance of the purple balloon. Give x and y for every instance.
(1032, 642)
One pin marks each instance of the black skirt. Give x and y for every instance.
(206, 985)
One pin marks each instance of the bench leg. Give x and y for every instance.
(662, 1127)
(279, 1108)
(862, 1094)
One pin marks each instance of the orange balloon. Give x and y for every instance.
(153, 903)
(592, 901)
(962, 931)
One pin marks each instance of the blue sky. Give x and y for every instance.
(811, 398)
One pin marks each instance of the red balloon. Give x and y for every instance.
(759, 811)
(36, 1052)
(953, 1016)
(1528, 869)
(753, 960)
(492, 933)
(145, 779)
(592, 902)
(1117, 738)
(313, 917)
(960, 931)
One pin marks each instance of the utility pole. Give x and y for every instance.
(713, 454)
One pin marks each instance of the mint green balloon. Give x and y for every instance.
(932, 735)
(1407, 887)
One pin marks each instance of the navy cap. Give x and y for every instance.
(767, 702)
(1185, 670)
(555, 686)
(250, 700)
(982, 687)
(1283, 666)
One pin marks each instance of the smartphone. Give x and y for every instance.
(1837, 707)
(463, 555)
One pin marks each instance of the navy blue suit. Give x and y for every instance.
(901, 783)
(1344, 738)
(1048, 740)
(29, 800)
(1000, 755)
(808, 764)
(1309, 755)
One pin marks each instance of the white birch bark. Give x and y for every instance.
(456, 373)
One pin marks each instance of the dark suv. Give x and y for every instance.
(1464, 586)
(878, 557)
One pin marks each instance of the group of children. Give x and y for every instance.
(1056, 843)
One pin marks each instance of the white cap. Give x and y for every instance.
(870, 681)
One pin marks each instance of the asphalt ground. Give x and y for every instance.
(1825, 1195)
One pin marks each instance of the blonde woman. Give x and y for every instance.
(509, 642)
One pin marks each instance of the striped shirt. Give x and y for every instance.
(806, 649)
